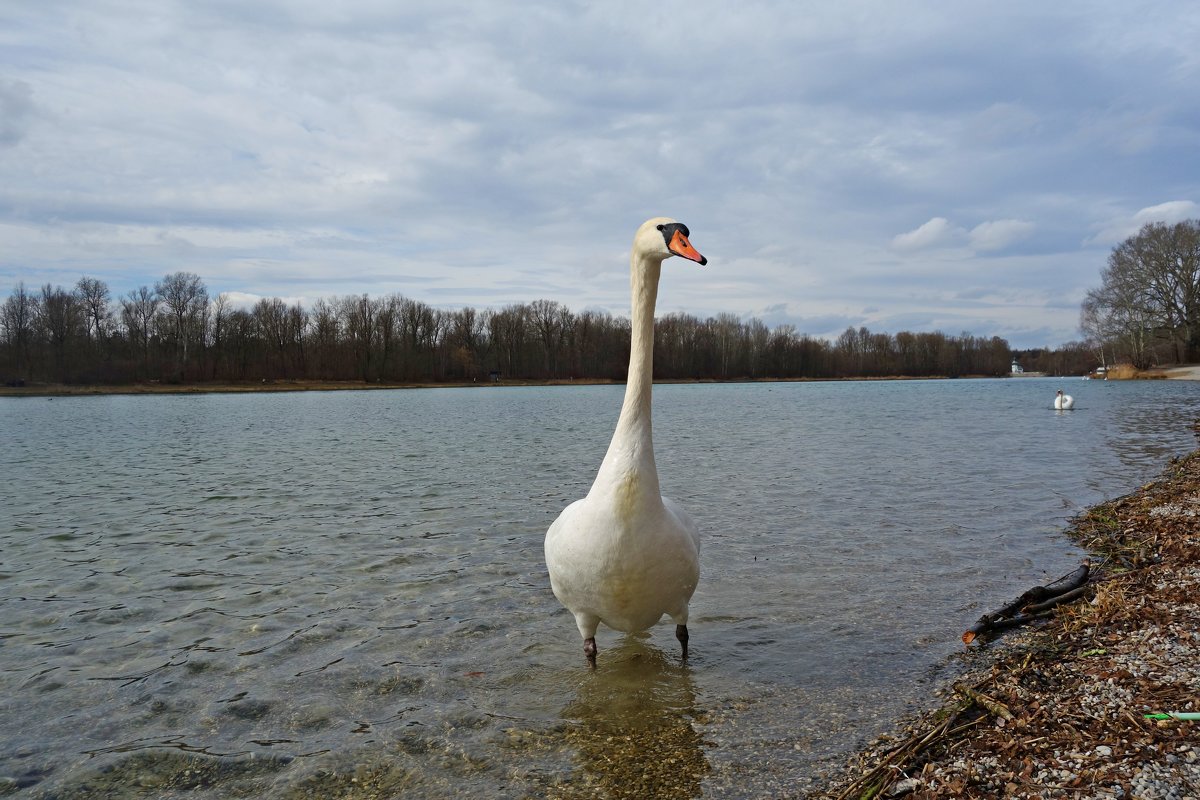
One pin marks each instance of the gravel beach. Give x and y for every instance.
(1059, 711)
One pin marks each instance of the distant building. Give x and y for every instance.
(1017, 369)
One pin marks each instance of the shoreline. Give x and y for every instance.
(1058, 711)
(150, 387)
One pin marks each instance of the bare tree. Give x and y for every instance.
(420, 325)
(358, 315)
(326, 334)
(270, 316)
(508, 329)
(219, 316)
(61, 323)
(388, 322)
(552, 322)
(725, 328)
(95, 298)
(138, 311)
(1150, 293)
(17, 318)
(466, 339)
(185, 302)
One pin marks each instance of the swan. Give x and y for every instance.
(625, 555)
(1063, 402)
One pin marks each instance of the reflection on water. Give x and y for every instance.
(633, 727)
(343, 595)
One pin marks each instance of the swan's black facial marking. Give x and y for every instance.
(668, 231)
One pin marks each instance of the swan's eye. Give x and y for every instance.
(660, 227)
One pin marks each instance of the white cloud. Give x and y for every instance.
(938, 232)
(1170, 212)
(999, 234)
(1121, 228)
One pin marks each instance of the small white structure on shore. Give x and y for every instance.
(1017, 369)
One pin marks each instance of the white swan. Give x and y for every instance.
(1063, 402)
(625, 555)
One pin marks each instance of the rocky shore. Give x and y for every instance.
(1060, 711)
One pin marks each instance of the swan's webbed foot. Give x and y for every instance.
(589, 650)
(681, 634)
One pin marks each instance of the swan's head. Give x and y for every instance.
(662, 237)
(1059, 393)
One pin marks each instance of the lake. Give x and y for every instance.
(334, 594)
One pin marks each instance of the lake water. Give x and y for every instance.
(343, 594)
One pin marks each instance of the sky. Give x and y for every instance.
(962, 167)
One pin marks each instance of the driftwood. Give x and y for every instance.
(992, 705)
(1033, 604)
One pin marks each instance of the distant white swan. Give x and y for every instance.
(625, 555)
(1063, 402)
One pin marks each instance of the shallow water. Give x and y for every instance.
(328, 594)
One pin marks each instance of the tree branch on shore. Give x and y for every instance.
(1033, 604)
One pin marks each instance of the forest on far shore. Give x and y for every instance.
(1145, 312)
(175, 332)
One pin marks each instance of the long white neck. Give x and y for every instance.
(629, 464)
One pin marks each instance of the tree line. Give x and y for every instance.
(1145, 312)
(176, 332)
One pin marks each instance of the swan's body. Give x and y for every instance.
(1063, 402)
(625, 555)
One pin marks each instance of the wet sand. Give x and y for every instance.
(1182, 373)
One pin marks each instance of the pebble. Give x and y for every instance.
(905, 787)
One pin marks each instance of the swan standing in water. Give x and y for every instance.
(1063, 402)
(625, 555)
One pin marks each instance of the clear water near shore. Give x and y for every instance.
(320, 593)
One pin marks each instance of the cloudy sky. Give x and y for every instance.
(959, 166)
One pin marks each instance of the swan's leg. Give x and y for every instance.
(589, 650)
(680, 616)
(587, 624)
(682, 635)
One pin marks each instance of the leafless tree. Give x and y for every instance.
(185, 306)
(94, 296)
(1150, 294)
(725, 328)
(17, 318)
(466, 342)
(138, 310)
(326, 332)
(61, 321)
(508, 329)
(358, 313)
(552, 322)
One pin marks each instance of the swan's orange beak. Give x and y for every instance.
(680, 246)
